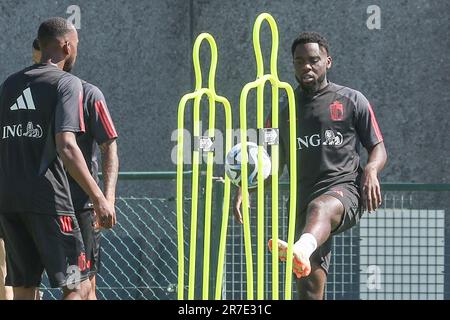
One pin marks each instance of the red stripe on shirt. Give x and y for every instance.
(69, 224)
(108, 116)
(105, 118)
(63, 223)
(375, 124)
(82, 127)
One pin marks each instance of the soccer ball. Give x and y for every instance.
(233, 164)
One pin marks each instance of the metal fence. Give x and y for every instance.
(400, 252)
(343, 274)
(404, 248)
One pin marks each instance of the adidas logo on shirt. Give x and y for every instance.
(24, 102)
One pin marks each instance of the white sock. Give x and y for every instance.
(307, 244)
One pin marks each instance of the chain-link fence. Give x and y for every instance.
(403, 251)
(400, 252)
(343, 273)
(139, 255)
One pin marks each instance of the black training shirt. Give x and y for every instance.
(330, 127)
(36, 104)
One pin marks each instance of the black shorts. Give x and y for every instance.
(91, 239)
(37, 242)
(350, 197)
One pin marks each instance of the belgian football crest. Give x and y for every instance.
(337, 111)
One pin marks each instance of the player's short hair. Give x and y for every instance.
(310, 37)
(36, 45)
(52, 29)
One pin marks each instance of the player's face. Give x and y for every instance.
(72, 47)
(311, 63)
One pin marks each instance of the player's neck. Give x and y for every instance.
(50, 61)
(323, 84)
(311, 92)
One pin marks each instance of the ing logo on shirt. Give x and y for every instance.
(331, 138)
(17, 130)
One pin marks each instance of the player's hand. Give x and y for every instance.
(114, 217)
(371, 191)
(237, 205)
(112, 202)
(96, 222)
(105, 213)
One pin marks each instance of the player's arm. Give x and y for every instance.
(370, 185)
(371, 138)
(104, 132)
(71, 155)
(110, 170)
(68, 122)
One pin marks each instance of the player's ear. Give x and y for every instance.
(329, 62)
(66, 47)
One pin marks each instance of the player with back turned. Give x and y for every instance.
(40, 116)
(100, 133)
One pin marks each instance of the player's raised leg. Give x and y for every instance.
(323, 215)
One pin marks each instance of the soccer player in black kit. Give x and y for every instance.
(41, 113)
(333, 189)
(100, 133)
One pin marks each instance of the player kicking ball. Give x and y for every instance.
(301, 266)
(333, 188)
